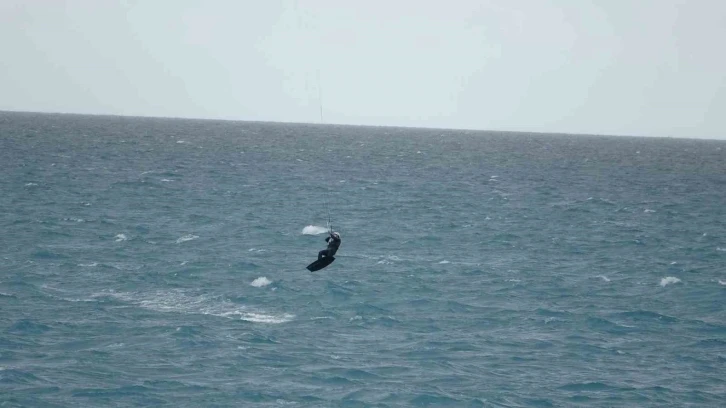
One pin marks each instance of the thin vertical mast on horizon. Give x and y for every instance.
(320, 97)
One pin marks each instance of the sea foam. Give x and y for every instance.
(668, 280)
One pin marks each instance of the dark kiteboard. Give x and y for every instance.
(320, 263)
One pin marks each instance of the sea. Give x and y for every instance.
(151, 262)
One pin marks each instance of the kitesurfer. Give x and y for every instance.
(333, 244)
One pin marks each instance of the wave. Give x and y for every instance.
(646, 315)
(14, 376)
(121, 237)
(434, 400)
(591, 386)
(187, 237)
(104, 393)
(668, 280)
(181, 302)
(608, 326)
(709, 343)
(26, 327)
(260, 282)
(45, 254)
(314, 230)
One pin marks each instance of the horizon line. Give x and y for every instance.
(331, 124)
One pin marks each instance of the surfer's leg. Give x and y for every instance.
(322, 253)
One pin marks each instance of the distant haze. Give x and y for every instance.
(647, 67)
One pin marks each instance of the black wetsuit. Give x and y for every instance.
(333, 245)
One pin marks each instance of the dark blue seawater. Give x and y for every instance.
(160, 262)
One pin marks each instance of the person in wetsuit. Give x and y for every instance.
(333, 244)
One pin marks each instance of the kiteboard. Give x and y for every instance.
(320, 263)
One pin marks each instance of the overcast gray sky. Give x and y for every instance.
(645, 67)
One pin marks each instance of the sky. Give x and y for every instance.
(617, 67)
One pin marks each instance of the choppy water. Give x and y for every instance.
(150, 262)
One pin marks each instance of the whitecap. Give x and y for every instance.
(121, 237)
(115, 345)
(444, 262)
(90, 265)
(265, 318)
(314, 230)
(260, 282)
(180, 302)
(166, 180)
(647, 210)
(30, 184)
(720, 282)
(668, 280)
(187, 237)
(603, 277)
(721, 249)
(256, 317)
